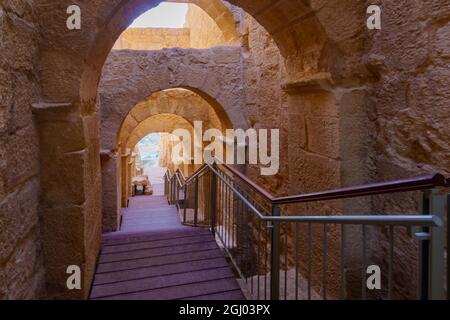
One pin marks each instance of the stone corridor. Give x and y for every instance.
(354, 106)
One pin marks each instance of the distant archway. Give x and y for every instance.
(162, 111)
(131, 77)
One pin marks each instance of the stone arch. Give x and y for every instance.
(212, 76)
(318, 50)
(212, 15)
(221, 15)
(153, 114)
(124, 163)
(184, 103)
(164, 123)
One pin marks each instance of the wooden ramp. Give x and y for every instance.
(155, 257)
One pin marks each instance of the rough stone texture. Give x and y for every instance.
(263, 71)
(77, 59)
(131, 76)
(409, 110)
(410, 60)
(384, 92)
(111, 188)
(21, 255)
(181, 102)
(208, 24)
(153, 39)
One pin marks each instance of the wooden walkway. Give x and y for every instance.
(155, 257)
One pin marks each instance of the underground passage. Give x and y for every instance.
(224, 150)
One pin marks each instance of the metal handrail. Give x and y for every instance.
(399, 220)
(410, 184)
(417, 183)
(402, 185)
(427, 221)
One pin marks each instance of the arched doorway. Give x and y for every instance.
(79, 63)
(163, 112)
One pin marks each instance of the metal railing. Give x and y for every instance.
(280, 256)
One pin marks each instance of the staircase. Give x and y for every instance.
(170, 251)
(155, 257)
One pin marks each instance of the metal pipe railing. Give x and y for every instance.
(256, 240)
(402, 185)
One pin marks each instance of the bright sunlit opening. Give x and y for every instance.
(166, 15)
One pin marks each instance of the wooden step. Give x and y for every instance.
(160, 282)
(186, 291)
(153, 271)
(158, 261)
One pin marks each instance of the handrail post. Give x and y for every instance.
(431, 250)
(213, 198)
(173, 189)
(275, 257)
(436, 247)
(196, 202)
(170, 190)
(165, 186)
(184, 203)
(177, 193)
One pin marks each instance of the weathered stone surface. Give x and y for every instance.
(389, 96)
(111, 193)
(18, 215)
(412, 99)
(122, 88)
(153, 39)
(21, 258)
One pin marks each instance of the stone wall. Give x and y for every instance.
(131, 76)
(201, 31)
(21, 253)
(409, 59)
(153, 39)
(408, 108)
(184, 103)
(357, 106)
(266, 103)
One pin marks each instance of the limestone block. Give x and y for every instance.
(323, 135)
(18, 215)
(63, 248)
(153, 39)
(318, 82)
(21, 155)
(442, 42)
(18, 35)
(63, 179)
(6, 98)
(352, 103)
(225, 55)
(24, 275)
(316, 172)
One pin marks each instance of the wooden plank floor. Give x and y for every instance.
(155, 257)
